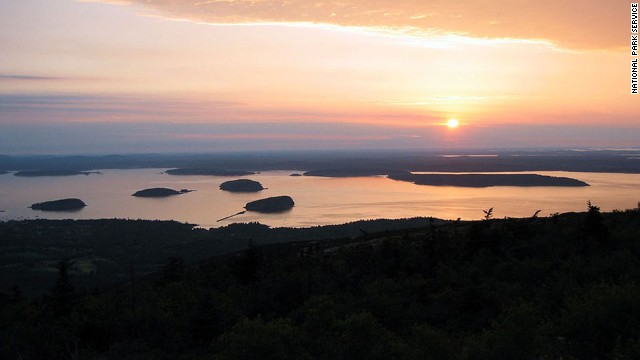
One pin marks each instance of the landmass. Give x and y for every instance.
(459, 161)
(105, 247)
(59, 205)
(3, 172)
(37, 173)
(241, 185)
(461, 180)
(271, 205)
(207, 171)
(295, 174)
(557, 287)
(486, 180)
(159, 192)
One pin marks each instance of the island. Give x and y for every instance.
(36, 173)
(3, 172)
(208, 171)
(274, 204)
(159, 192)
(295, 174)
(71, 204)
(241, 185)
(486, 180)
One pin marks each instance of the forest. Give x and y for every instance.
(558, 287)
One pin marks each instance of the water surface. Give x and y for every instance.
(319, 201)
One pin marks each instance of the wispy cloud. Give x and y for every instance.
(33, 78)
(439, 100)
(97, 108)
(69, 108)
(9, 77)
(105, 137)
(570, 23)
(276, 136)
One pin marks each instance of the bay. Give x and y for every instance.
(319, 201)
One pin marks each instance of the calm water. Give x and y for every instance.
(319, 201)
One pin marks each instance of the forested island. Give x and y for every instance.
(159, 192)
(486, 180)
(562, 286)
(208, 171)
(70, 204)
(273, 204)
(241, 185)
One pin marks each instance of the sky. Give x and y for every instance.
(110, 76)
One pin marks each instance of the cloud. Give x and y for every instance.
(86, 138)
(73, 108)
(52, 108)
(575, 24)
(10, 77)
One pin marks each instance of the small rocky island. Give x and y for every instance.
(241, 185)
(59, 205)
(38, 173)
(208, 171)
(274, 204)
(159, 192)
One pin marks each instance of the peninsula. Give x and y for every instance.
(486, 180)
(59, 205)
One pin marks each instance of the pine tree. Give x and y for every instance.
(62, 293)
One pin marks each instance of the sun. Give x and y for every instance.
(452, 123)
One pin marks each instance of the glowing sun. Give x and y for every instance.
(452, 123)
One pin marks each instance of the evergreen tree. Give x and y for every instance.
(594, 223)
(62, 293)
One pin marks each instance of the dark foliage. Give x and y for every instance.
(563, 287)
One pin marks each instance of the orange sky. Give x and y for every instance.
(401, 64)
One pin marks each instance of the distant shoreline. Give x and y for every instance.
(42, 173)
(365, 162)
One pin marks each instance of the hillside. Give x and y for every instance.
(536, 288)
